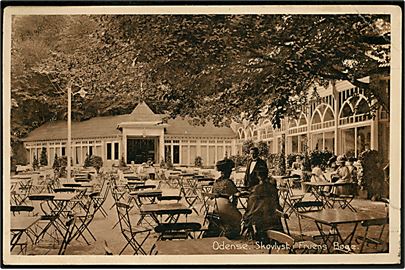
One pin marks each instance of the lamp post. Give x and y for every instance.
(82, 93)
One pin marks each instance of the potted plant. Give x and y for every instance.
(198, 162)
(44, 157)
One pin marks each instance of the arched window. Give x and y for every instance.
(316, 118)
(362, 106)
(292, 123)
(346, 111)
(328, 116)
(302, 120)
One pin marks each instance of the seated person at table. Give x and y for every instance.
(343, 175)
(225, 201)
(151, 171)
(317, 174)
(297, 167)
(260, 214)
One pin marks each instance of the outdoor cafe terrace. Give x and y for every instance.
(121, 212)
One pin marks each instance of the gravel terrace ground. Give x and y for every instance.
(105, 232)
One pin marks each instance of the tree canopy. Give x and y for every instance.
(221, 68)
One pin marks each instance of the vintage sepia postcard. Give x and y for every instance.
(202, 135)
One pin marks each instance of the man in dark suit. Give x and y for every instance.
(254, 165)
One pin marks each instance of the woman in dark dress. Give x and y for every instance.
(225, 201)
(261, 214)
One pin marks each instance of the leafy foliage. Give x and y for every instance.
(198, 162)
(320, 157)
(123, 164)
(246, 146)
(291, 158)
(189, 65)
(239, 160)
(263, 149)
(35, 164)
(44, 157)
(96, 162)
(371, 174)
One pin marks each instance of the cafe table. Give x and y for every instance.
(149, 195)
(172, 211)
(329, 223)
(19, 225)
(81, 179)
(209, 246)
(22, 176)
(317, 189)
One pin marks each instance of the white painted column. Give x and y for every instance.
(161, 147)
(337, 109)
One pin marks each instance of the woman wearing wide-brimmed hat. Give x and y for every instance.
(225, 192)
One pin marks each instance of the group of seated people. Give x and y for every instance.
(341, 171)
(263, 201)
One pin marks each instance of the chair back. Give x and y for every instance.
(375, 222)
(123, 217)
(179, 230)
(21, 208)
(281, 238)
(143, 187)
(169, 198)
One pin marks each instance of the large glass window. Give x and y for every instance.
(176, 154)
(329, 141)
(317, 141)
(109, 151)
(116, 151)
(184, 155)
(363, 138)
(294, 144)
(211, 153)
(77, 154)
(168, 152)
(193, 153)
(348, 142)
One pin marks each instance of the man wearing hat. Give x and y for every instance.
(254, 165)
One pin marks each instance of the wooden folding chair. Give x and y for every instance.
(377, 228)
(176, 231)
(67, 238)
(188, 190)
(24, 210)
(301, 245)
(99, 200)
(130, 232)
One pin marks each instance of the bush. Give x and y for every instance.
(44, 157)
(272, 161)
(240, 161)
(87, 162)
(291, 159)
(35, 164)
(96, 162)
(321, 158)
(198, 162)
(123, 164)
(263, 149)
(246, 146)
(166, 164)
(281, 166)
(371, 173)
(55, 164)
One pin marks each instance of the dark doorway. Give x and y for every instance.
(140, 150)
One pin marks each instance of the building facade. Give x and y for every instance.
(338, 121)
(135, 138)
